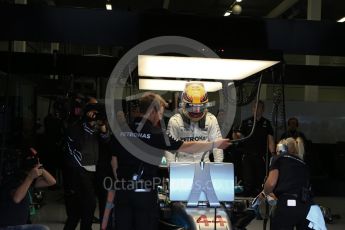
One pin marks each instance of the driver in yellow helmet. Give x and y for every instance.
(194, 123)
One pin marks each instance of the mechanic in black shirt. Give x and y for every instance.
(292, 131)
(289, 179)
(254, 149)
(136, 206)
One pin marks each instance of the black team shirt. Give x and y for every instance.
(128, 164)
(293, 175)
(257, 143)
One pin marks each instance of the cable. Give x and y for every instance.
(256, 106)
(278, 121)
(252, 131)
(278, 114)
(243, 95)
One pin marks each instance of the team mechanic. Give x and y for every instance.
(289, 180)
(254, 148)
(194, 123)
(137, 208)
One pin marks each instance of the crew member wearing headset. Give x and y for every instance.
(288, 180)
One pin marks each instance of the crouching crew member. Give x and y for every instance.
(289, 179)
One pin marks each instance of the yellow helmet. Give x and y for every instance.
(194, 100)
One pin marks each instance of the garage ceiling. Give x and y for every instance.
(331, 9)
(288, 36)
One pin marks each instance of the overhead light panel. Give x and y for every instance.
(175, 85)
(341, 20)
(108, 5)
(227, 13)
(199, 68)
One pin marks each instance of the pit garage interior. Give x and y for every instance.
(53, 48)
